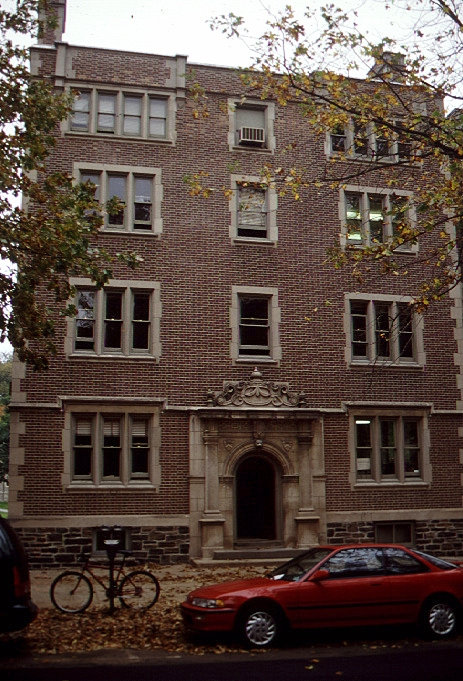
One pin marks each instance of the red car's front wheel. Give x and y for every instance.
(260, 626)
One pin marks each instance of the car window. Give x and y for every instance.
(296, 569)
(361, 562)
(399, 562)
(438, 562)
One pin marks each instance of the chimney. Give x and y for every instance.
(56, 11)
(389, 66)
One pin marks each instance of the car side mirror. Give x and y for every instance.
(320, 575)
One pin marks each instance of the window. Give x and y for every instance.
(106, 117)
(111, 445)
(251, 125)
(370, 217)
(357, 562)
(254, 326)
(253, 210)
(395, 533)
(119, 320)
(255, 322)
(364, 141)
(138, 191)
(131, 114)
(384, 330)
(80, 116)
(388, 448)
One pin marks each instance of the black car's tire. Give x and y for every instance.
(71, 592)
(260, 625)
(439, 617)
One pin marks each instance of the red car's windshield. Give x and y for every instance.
(295, 569)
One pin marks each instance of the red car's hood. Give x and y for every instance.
(227, 588)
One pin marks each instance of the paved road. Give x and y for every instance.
(440, 661)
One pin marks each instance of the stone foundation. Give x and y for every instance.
(63, 547)
(439, 537)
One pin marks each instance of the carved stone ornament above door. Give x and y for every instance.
(255, 392)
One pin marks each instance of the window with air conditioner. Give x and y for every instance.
(251, 125)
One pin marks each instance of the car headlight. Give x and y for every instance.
(207, 602)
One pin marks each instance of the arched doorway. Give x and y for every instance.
(255, 498)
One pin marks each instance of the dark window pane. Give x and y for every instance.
(405, 328)
(140, 461)
(113, 305)
(359, 328)
(113, 335)
(140, 336)
(383, 330)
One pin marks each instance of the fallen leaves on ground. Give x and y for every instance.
(160, 627)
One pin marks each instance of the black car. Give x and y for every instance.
(16, 606)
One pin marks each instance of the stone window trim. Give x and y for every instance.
(95, 413)
(398, 415)
(265, 110)
(418, 358)
(130, 175)
(270, 204)
(126, 351)
(365, 143)
(387, 197)
(161, 122)
(274, 318)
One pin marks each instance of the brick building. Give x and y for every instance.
(199, 402)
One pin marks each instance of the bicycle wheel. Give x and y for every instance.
(139, 590)
(71, 592)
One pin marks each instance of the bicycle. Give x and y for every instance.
(72, 591)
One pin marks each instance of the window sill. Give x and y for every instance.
(253, 150)
(250, 241)
(91, 486)
(388, 484)
(403, 366)
(118, 357)
(255, 360)
(364, 158)
(130, 232)
(398, 251)
(119, 138)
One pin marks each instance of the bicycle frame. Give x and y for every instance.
(118, 573)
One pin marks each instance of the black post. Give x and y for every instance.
(112, 537)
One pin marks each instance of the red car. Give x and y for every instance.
(334, 586)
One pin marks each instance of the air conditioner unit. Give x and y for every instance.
(251, 136)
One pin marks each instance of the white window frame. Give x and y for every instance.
(418, 358)
(268, 110)
(274, 318)
(386, 197)
(371, 418)
(127, 289)
(127, 414)
(270, 236)
(130, 174)
(117, 131)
